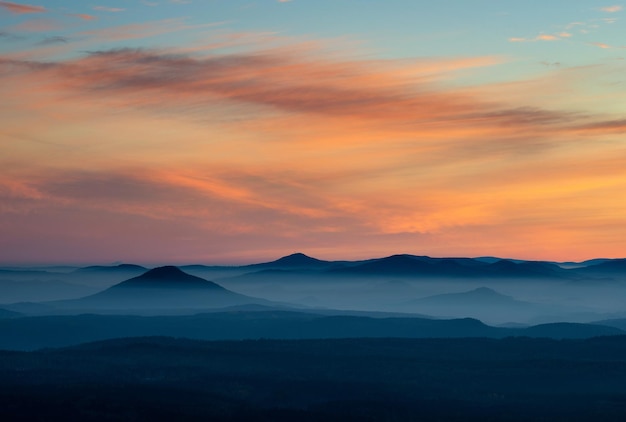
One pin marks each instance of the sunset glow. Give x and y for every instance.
(234, 131)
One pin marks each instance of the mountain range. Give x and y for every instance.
(397, 265)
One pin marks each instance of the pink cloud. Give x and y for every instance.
(294, 145)
(38, 25)
(542, 37)
(83, 16)
(108, 9)
(612, 9)
(140, 30)
(19, 9)
(601, 45)
(547, 37)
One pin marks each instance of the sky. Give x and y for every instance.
(227, 131)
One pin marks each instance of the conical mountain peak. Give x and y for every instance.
(168, 272)
(168, 277)
(297, 258)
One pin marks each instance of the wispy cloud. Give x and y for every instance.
(8, 36)
(54, 40)
(108, 9)
(282, 81)
(359, 134)
(541, 37)
(612, 9)
(547, 37)
(38, 25)
(83, 16)
(600, 45)
(19, 8)
(139, 30)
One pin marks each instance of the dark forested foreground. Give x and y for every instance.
(141, 379)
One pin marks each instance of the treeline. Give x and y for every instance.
(156, 378)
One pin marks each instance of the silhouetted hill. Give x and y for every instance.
(482, 303)
(595, 261)
(612, 267)
(168, 277)
(293, 261)
(614, 322)
(506, 268)
(402, 265)
(481, 296)
(161, 288)
(5, 313)
(421, 266)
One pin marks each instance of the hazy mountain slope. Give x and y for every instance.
(296, 261)
(481, 296)
(53, 331)
(161, 288)
(5, 313)
(419, 266)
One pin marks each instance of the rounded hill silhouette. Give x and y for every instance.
(294, 261)
(168, 277)
(162, 288)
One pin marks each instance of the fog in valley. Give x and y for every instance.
(494, 291)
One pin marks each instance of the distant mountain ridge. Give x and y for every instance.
(399, 265)
(296, 260)
(479, 296)
(410, 265)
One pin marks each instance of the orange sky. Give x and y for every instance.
(194, 153)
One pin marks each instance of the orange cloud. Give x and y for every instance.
(38, 25)
(140, 30)
(108, 9)
(600, 45)
(19, 9)
(83, 16)
(546, 37)
(612, 9)
(287, 145)
(541, 37)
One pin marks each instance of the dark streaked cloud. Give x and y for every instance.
(83, 16)
(291, 83)
(8, 36)
(54, 40)
(108, 9)
(610, 126)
